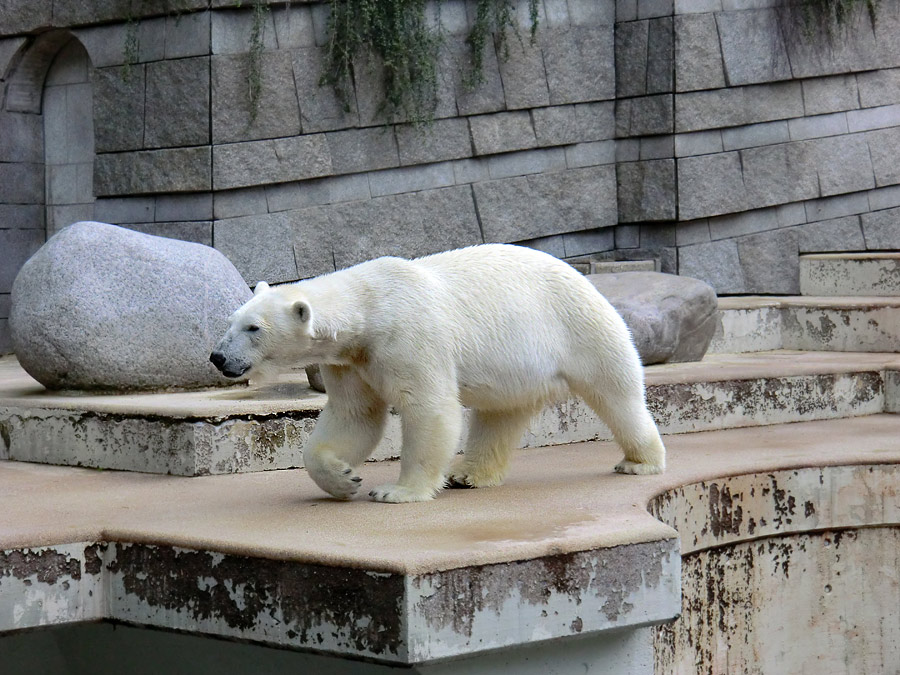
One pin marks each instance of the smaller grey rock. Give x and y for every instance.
(103, 307)
(672, 318)
(314, 375)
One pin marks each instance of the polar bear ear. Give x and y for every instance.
(302, 311)
(260, 287)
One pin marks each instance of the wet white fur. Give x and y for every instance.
(500, 329)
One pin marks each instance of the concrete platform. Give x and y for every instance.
(846, 324)
(257, 429)
(850, 274)
(565, 548)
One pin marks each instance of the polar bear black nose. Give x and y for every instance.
(217, 358)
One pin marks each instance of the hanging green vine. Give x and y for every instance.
(396, 35)
(254, 56)
(131, 48)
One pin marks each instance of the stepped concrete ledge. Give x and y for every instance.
(565, 548)
(256, 429)
(845, 324)
(850, 274)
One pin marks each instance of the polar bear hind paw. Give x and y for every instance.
(460, 478)
(638, 468)
(398, 494)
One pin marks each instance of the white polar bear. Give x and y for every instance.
(500, 329)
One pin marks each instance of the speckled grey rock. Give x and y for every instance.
(672, 318)
(103, 307)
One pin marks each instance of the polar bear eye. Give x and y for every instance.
(252, 328)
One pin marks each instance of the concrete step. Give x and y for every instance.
(847, 324)
(564, 549)
(850, 274)
(258, 429)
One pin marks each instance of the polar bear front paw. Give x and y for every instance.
(398, 494)
(342, 484)
(638, 468)
(463, 478)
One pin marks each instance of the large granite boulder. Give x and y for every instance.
(672, 318)
(103, 307)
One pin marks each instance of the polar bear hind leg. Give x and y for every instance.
(493, 435)
(349, 428)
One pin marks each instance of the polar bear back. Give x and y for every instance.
(512, 323)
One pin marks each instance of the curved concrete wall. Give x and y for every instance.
(786, 572)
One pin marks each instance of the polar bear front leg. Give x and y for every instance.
(430, 438)
(349, 428)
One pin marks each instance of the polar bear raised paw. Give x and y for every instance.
(638, 468)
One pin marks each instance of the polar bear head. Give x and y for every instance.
(270, 332)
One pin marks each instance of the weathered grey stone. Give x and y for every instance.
(884, 198)
(16, 246)
(474, 99)
(555, 125)
(692, 232)
(411, 179)
(527, 162)
(700, 110)
(320, 107)
(884, 147)
(440, 141)
(171, 170)
(717, 263)
(234, 203)
(358, 150)
(832, 94)
(710, 185)
(843, 51)
(589, 241)
(554, 245)
(658, 147)
(177, 89)
(645, 115)
(409, 225)
(777, 174)
(843, 164)
(664, 260)
(596, 121)
(120, 210)
(22, 216)
(876, 87)
(24, 17)
(657, 235)
(590, 154)
(261, 247)
(818, 126)
(119, 108)
(873, 118)
(523, 76)
(270, 161)
(646, 191)
(672, 318)
(198, 232)
(22, 183)
(698, 143)
(882, 229)
(840, 234)
(232, 30)
(526, 207)
(580, 64)
(698, 60)
(103, 307)
(752, 135)
(661, 57)
(752, 47)
(277, 112)
(4, 305)
(502, 132)
(293, 26)
(184, 207)
(21, 140)
(188, 34)
(631, 58)
(770, 262)
(628, 236)
(746, 222)
(835, 207)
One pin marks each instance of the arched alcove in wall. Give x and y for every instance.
(68, 138)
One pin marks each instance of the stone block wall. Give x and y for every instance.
(709, 136)
(784, 143)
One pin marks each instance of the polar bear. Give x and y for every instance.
(498, 328)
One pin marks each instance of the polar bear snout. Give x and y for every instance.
(229, 368)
